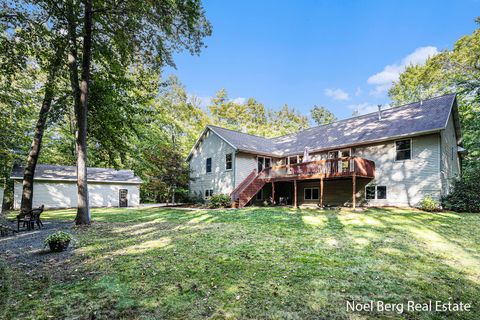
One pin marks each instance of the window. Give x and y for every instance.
(375, 192)
(310, 194)
(263, 163)
(292, 160)
(209, 165)
(345, 153)
(403, 150)
(370, 192)
(228, 161)
(381, 192)
(332, 154)
(260, 195)
(208, 193)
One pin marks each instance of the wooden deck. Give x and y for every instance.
(321, 169)
(348, 167)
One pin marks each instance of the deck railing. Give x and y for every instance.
(235, 194)
(328, 168)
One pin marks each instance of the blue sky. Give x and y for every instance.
(338, 54)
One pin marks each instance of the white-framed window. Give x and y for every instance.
(228, 161)
(208, 166)
(259, 195)
(208, 193)
(292, 160)
(263, 162)
(340, 153)
(310, 194)
(375, 192)
(403, 149)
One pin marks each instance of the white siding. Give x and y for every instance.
(407, 181)
(1, 199)
(59, 194)
(245, 164)
(219, 180)
(450, 165)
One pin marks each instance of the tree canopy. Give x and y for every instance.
(451, 71)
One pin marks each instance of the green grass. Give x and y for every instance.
(256, 263)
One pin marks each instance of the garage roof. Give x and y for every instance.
(69, 173)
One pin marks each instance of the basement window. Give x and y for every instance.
(403, 149)
(310, 194)
(208, 193)
(375, 192)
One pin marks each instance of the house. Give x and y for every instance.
(395, 156)
(56, 187)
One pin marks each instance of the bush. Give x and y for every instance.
(220, 201)
(429, 204)
(58, 236)
(465, 195)
(194, 199)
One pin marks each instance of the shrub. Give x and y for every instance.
(194, 199)
(58, 236)
(429, 204)
(465, 194)
(220, 201)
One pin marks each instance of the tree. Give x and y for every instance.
(29, 41)
(457, 71)
(126, 32)
(253, 117)
(322, 115)
(286, 121)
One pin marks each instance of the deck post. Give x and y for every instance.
(321, 192)
(354, 187)
(273, 193)
(295, 193)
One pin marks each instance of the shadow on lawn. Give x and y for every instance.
(267, 263)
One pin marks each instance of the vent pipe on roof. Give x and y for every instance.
(379, 112)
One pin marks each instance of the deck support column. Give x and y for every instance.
(321, 192)
(295, 193)
(354, 188)
(273, 193)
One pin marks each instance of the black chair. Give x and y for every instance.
(30, 218)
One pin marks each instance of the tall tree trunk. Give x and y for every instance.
(27, 193)
(83, 210)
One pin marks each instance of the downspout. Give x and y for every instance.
(234, 169)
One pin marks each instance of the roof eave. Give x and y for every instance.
(74, 180)
(200, 138)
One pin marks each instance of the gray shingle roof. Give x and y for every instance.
(420, 117)
(69, 173)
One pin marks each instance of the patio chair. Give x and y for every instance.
(30, 218)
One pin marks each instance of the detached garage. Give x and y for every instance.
(56, 187)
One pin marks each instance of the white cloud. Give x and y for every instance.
(337, 94)
(239, 100)
(383, 80)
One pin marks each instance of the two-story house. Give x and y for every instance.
(394, 156)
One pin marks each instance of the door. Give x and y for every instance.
(262, 163)
(123, 198)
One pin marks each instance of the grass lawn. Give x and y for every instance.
(254, 263)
